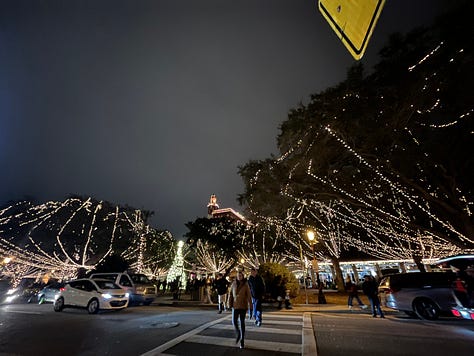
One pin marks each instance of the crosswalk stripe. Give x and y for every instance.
(262, 329)
(250, 344)
(267, 321)
(283, 315)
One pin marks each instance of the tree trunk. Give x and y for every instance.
(338, 278)
(417, 259)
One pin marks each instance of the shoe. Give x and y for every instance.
(363, 307)
(219, 312)
(242, 343)
(350, 307)
(374, 316)
(258, 323)
(382, 316)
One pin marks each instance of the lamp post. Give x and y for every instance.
(312, 240)
(303, 269)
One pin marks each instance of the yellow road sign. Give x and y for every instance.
(353, 21)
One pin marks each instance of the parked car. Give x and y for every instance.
(24, 292)
(422, 294)
(140, 288)
(93, 294)
(49, 292)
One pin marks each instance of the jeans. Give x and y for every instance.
(349, 300)
(221, 301)
(257, 309)
(375, 304)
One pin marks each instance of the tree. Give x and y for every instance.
(112, 263)
(365, 162)
(277, 280)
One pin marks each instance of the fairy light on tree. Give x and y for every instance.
(59, 238)
(360, 162)
(176, 272)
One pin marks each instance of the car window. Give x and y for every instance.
(140, 278)
(107, 285)
(76, 284)
(125, 281)
(111, 277)
(420, 280)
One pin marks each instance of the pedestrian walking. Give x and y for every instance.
(257, 289)
(221, 286)
(240, 300)
(352, 289)
(370, 289)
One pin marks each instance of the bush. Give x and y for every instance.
(277, 280)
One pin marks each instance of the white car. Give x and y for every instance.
(93, 294)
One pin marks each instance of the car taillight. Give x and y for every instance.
(456, 313)
(62, 289)
(390, 290)
(472, 316)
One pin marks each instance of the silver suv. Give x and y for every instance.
(422, 294)
(140, 288)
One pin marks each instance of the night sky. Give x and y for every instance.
(155, 104)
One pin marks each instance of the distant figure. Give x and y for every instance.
(321, 297)
(257, 289)
(280, 300)
(207, 291)
(351, 288)
(240, 300)
(370, 289)
(221, 285)
(460, 290)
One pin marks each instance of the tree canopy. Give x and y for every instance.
(380, 163)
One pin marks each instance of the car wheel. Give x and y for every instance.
(426, 309)
(41, 300)
(93, 306)
(59, 304)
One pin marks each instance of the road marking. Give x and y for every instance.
(194, 336)
(309, 340)
(158, 350)
(21, 312)
(260, 329)
(268, 321)
(251, 344)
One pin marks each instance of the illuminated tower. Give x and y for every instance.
(212, 205)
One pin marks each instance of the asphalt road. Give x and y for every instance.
(340, 333)
(31, 329)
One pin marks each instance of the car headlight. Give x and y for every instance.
(127, 295)
(11, 291)
(106, 295)
(10, 298)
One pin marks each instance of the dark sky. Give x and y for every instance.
(156, 103)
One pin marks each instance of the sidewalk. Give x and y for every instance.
(185, 300)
